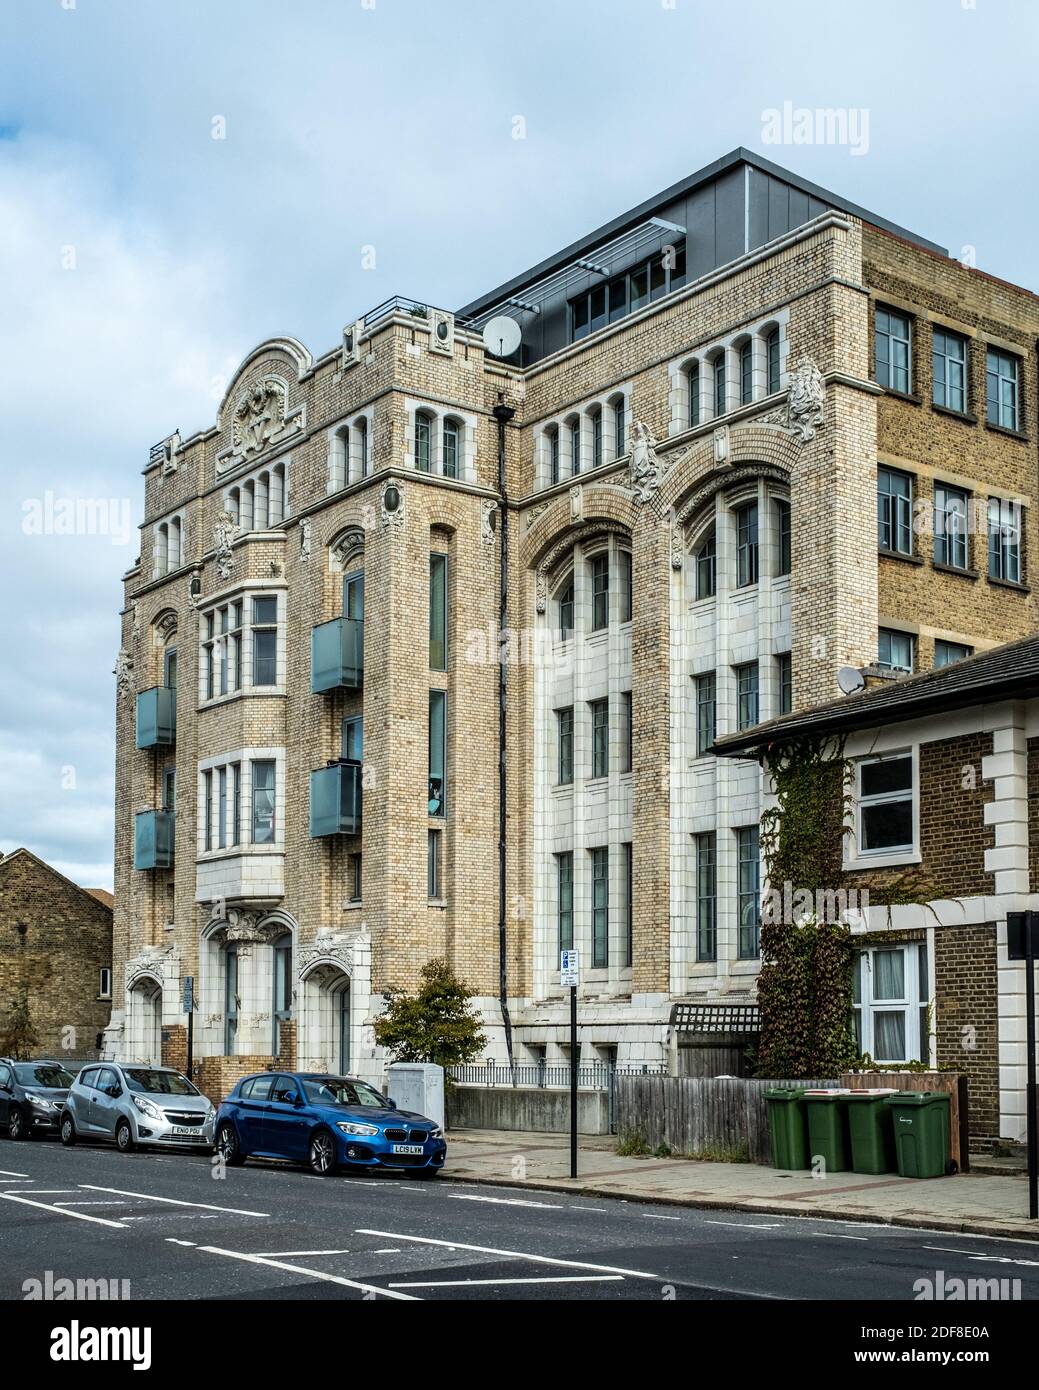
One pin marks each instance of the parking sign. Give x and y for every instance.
(569, 969)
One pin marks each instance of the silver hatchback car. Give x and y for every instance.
(127, 1104)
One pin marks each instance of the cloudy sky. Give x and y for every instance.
(140, 257)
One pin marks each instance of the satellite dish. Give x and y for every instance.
(850, 680)
(501, 336)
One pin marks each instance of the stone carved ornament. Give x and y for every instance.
(123, 671)
(261, 417)
(166, 625)
(304, 539)
(645, 468)
(223, 534)
(487, 510)
(805, 400)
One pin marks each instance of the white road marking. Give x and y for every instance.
(172, 1240)
(554, 1279)
(748, 1225)
(948, 1250)
(173, 1201)
(90, 1204)
(4, 1173)
(654, 1216)
(512, 1254)
(62, 1211)
(836, 1235)
(506, 1201)
(44, 1191)
(577, 1208)
(284, 1254)
(310, 1273)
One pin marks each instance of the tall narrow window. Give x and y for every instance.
(706, 726)
(452, 450)
(748, 870)
(265, 641)
(629, 916)
(356, 877)
(894, 353)
(626, 732)
(553, 454)
(207, 810)
(222, 808)
(949, 359)
(437, 612)
(433, 892)
(565, 900)
(950, 526)
(353, 594)
(362, 444)
(705, 559)
(263, 803)
(1001, 389)
(352, 738)
(565, 760)
(169, 789)
(782, 537)
(785, 673)
(230, 998)
(1004, 540)
(575, 445)
(281, 991)
(169, 668)
(719, 385)
(747, 373)
(747, 695)
(600, 591)
(706, 896)
(437, 752)
(597, 454)
(236, 803)
(772, 354)
(625, 586)
(600, 908)
(566, 611)
(423, 436)
(620, 437)
(692, 381)
(894, 511)
(600, 738)
(746, 545)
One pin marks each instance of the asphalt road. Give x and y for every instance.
(174, 1229)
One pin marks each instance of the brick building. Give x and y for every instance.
(942, 829)
(709, 398)
(55, 957)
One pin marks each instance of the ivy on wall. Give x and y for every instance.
(805, 985)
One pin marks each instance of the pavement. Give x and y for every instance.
(164, 1226)
(984, 1203)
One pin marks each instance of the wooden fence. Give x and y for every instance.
(716, 1116)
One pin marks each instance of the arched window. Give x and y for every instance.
(281, 992)
(692, 378)
(575, 444)
(746, 372)
(262, 494)
(452, 446)
(231, 999)
(277, 494)
(362, 444)
(423, 439)
(772, 358)
(719, 385)
(234, 505)
(552, 441)
(565, 609)
(620, 437)
(597, 453)
(704, 559)
(162, 549)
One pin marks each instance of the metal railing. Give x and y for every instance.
(396, 304)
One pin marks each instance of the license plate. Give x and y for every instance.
(407, 1148)
(187, 1132)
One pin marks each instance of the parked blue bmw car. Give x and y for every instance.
(328, 1122)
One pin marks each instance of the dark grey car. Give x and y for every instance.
(32, 1095)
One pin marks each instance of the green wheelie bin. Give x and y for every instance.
(872, 1131)
(786, 1126)
(921, 1123)
(828, 1137)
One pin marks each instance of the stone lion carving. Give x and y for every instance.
(644, 469)
(805, 401)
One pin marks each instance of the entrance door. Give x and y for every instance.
(344, 1030)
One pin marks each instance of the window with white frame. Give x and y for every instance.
(349, 451)
(949, 361)
(746, 372)
(1004, 540)
(895, 650)
(885, 791)
(1002, 373)
(265, 640)
(894, 511)
(894, 351)
(168, 546)
(772, 361)
(951, 510)
(222, 650)
(260, 501)
(720, 384)
(221, 806)
(890, 1002)
(947, 653)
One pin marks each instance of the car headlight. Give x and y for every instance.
(436, 1134)
(349, 1128)
(146, 1108)
(40, 1102)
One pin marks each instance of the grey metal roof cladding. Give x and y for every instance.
(1004, 673)
(670, 195)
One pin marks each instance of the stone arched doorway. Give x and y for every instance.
(329, 1018)
(144, 1021)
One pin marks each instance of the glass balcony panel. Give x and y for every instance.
(335, 800)
(156, 717)
(337, 654)
(153, 840)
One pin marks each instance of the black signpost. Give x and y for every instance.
(1023, 944)
(569, 977)
(189, 1009)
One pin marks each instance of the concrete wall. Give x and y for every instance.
(526, 1108)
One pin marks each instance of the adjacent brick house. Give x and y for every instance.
(941, 824)
(718, 427)
(55, 956)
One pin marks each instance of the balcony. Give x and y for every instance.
(156, 717)
(335, 800)
(153, 840)
(337, 655)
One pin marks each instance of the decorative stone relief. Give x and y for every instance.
(351, 344)
(677, 545)
(304, 539)
(805, 400)
(347, 545)
(721, 444)
(645, 468)
(576, 503)
(534, 512)
(392, 518)
(195, 590)
(335, 948)
(262, 418)
(166, 625)
(541, 591)
(123, 672)
(223, 534)
(487, 510)
(442, 332)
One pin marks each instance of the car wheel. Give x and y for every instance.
(322, 1154)
(228, 1147)
(68, 1131)
(124, 1137)
(16, 1126)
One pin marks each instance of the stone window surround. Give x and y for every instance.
(246, 592)
(168, 535)
(727, 348)
(612, 450)
(853, 858)
(255, 485)
(246, 757)
(439, 413)
(350, 449)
